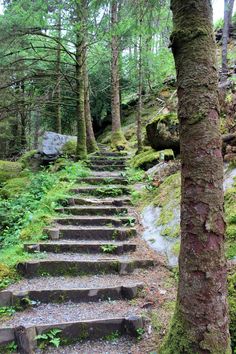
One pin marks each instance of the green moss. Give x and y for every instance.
(230, 213)
(26, 158)
(69, 148)
(176, 248)
(9, 170)
(14, 187)
(150, 157)
(118, 141)
(169, 118)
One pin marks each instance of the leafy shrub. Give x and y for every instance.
(69, 148)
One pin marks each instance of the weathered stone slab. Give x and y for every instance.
(52, 143)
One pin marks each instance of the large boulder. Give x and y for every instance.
(163, 132)
(52, 143)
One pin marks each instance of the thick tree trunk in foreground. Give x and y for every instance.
(81, 151)
(117, 135)
(228, 10)
(91, 141)
(200, 323)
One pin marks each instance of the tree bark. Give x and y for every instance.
(81, 150)
(91, 141)
(115, 77)
(228, 11)
(140, 85)
(200, 323)
(58, 74)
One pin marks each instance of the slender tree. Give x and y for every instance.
(58, 73)
(228, 11)
(200, 323)
(140, 80)
(117, 136)
(81, 151)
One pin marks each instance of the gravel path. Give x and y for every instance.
(70, 312)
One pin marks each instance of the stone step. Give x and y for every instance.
(71, 332)
(94, 221)
(95, 233)
(93, 210)
(106, 167)
(105, 191)
(76, 295)
(111, 154)
(65, 267)
(102, 161)
(98, 202)
(87, 247)
(103, 180)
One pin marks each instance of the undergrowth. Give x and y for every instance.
(23, 216)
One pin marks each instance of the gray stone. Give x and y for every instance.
(52, 143)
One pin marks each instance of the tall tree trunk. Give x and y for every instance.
(117, 135)
(200, 323)
(91, 141)
(58, 74)
(228, 10)
(140, 86)
(81, 150)
(23, 118)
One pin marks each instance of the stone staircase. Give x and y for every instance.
(78, 283)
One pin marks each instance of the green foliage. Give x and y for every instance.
(9, 170)
(49, 338)
(149, 158)
(109, 192)
(25, 159)
(7, 311)
(112, 337)
(109, 248)
(69, 148)
(134, 175)
(232, 309)
(14, 187)
(140, 332)
(25, 216)
(10, 348)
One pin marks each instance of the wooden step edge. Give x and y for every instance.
(71, 332)
(57, 267)
(23, 299)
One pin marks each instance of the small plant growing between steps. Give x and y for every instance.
(140, 332)
(50, 338)
(130, 221)
(9, 348)
(7, 311)
(109, 192)
(108, 248)
(114, 336)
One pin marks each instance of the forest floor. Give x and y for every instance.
(98, 220)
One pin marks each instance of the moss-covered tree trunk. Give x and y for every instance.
(200, 323)
(91, 141)
(140, 82)
(81, 150)
(228, 10)
(117, 136)
(58, 74)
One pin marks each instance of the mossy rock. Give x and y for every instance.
(149, 158)
(9, 170)
(28, 160)
(163, 132)
(69, 148)
(4, 271)
(14, 187)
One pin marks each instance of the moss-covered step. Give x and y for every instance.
(102, 191)
(99, 161)
(57, 267)
(93, 210)
(87, 247)
(110, 154)
(95, 220)
(107, 167)
(95, 233)
(70, 332)
(98, 202)
(103, 180)
(24, 299)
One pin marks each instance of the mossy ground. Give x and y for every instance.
(27, 208)
(9, 170)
